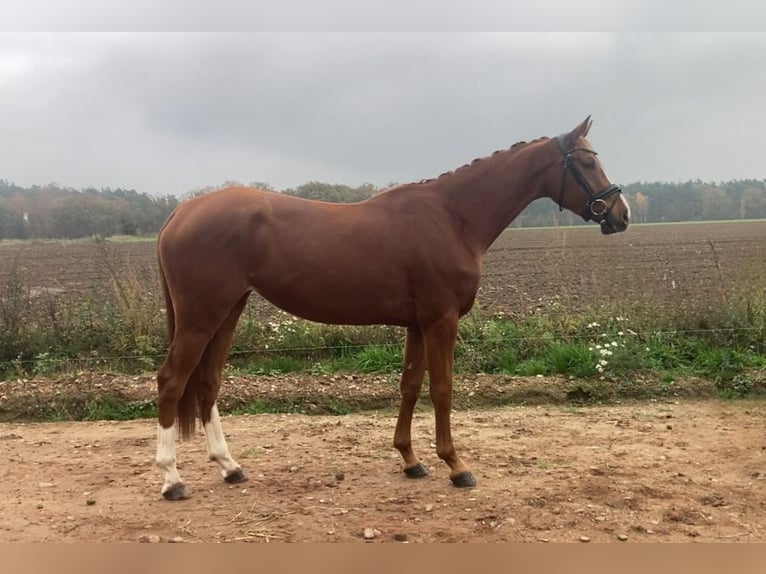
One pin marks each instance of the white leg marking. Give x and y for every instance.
(166, 456)
(217, 449)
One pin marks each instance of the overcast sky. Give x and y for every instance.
(171, 112)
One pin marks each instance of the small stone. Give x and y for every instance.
(149, 538)
(622, 537)
(429, 507)
(339, 476)
(45, 484)
(584, 539)
(368, 534)
(400, 537)
(90, 502)
(176, 540)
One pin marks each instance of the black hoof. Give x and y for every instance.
(175, 492)
(236, 477)
(417, 471)
(463, 480)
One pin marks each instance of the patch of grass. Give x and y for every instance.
(273, 365)
(719, 363)
(107, 410)
(739, 386)
(373, 359)
(96, 409)
(572, 359)
(533, 367)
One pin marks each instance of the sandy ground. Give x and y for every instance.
(644, 472)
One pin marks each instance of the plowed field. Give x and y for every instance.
(669, 265)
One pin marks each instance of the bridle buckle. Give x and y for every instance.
(598, 207)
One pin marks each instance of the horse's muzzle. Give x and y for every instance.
(614, 223)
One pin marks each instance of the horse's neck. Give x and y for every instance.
(489, 194)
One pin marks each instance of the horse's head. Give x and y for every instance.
(585, 188)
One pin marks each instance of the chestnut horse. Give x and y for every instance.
(410, 256)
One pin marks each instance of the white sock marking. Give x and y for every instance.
(217, 449)
(166, 456)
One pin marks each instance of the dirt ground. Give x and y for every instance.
(642, 472)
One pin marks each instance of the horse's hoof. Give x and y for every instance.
(464, 479)
(417, 471)
(236, 477)
(175, 492)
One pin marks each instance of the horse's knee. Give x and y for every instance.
(409, 394)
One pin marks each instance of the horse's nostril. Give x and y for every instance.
(625, 218)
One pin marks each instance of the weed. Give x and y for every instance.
(375, 359)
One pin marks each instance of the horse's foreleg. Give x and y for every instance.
(440, 340)
(218, 450)
(409, 386)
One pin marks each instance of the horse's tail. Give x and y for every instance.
(187, 405)
(170, 313)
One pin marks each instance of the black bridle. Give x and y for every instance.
(595, 205)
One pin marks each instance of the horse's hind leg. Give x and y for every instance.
(409, 386)
(218, 450)
(208, 378)
(184, 355)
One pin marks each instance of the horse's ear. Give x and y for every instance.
(579, 132)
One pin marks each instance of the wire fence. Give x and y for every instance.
(316, 350)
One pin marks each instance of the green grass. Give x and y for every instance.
(97, 409)
(373, 359)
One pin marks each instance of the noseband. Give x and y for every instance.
(595, 205)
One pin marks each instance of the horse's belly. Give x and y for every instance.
(340, 306)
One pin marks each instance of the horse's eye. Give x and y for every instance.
(589, 163)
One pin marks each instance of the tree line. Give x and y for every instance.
(54, 212)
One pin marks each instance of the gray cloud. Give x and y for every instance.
(165, 113)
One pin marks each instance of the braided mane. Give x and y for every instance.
(514, 147)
